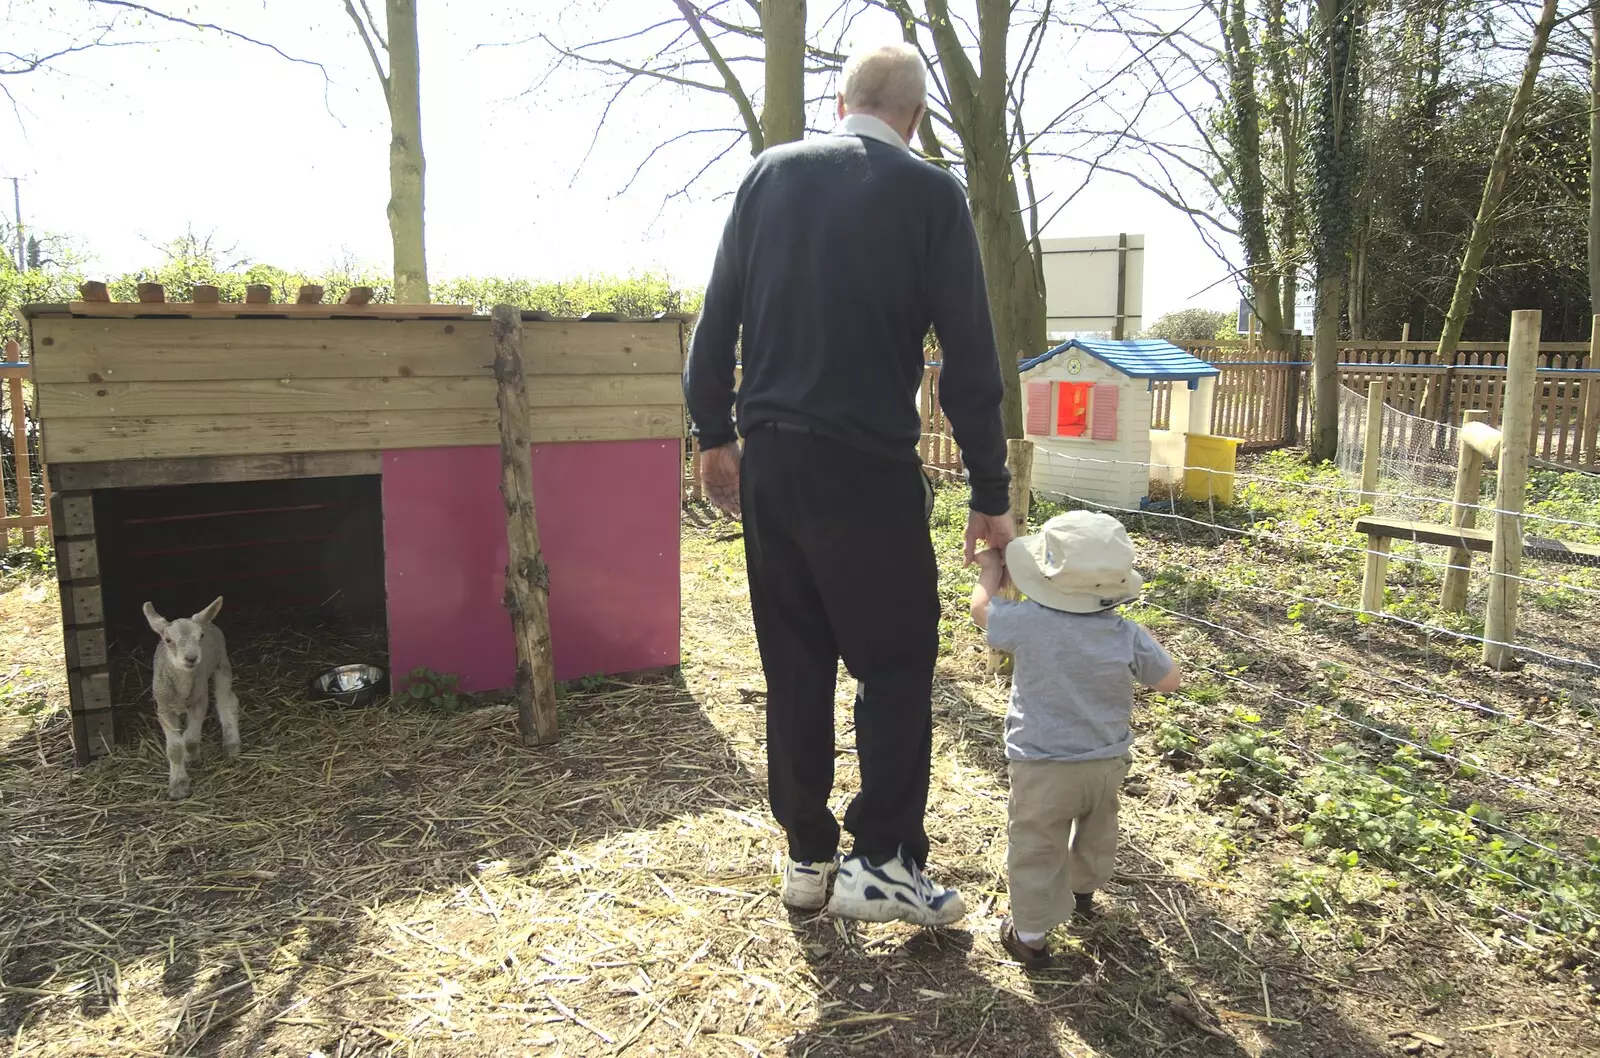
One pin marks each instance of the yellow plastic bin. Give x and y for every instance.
(1209, 463)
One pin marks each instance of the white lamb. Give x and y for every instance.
(192, 650)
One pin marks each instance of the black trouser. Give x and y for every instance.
(841, 565)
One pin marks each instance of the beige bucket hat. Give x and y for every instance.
(1080, 562)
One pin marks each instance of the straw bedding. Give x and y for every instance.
(407, 881)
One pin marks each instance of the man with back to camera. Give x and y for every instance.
(838, 255)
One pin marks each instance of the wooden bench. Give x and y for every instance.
(1381, 531)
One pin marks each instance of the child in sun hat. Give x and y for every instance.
(1076, 660)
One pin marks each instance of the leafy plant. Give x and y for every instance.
(426, 687)
(1244, 763)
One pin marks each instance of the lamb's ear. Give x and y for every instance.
(157, 622)
(209, 614)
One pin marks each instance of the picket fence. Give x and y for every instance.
(1264, 398)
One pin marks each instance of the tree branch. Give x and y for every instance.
(29, 63)
(635, 71)
(731, 80)
(366, 38)
(234, 34)
(374, 24)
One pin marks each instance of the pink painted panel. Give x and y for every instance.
(608, 517)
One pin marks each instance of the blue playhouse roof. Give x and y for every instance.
(1152, 358)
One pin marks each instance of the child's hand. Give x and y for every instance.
(991, 560)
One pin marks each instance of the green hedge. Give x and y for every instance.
(638, 295)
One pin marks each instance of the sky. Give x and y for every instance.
(122, 149)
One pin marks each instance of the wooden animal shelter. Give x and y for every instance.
(344, 459)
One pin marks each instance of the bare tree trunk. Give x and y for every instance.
(1594, 160)
(783, 108)
(1335, 159)
(1016, 300)
(979, 110)
(406, 163)
(1493, 189)
(1245, 113)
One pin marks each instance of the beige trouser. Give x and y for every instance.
(1063, 836)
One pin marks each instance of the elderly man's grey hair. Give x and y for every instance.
(888, 81)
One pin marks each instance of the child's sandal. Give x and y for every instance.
(1031, 958)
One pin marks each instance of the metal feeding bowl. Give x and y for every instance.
(350, 686)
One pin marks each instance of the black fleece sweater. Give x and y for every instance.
(838, 255)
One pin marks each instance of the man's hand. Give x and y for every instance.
(996, 530)
(719, 472)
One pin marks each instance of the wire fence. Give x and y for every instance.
(1417, 459)
(1379, 735)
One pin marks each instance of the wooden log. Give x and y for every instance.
(310, 294)
(152, 293)
(358, 296)
(1019, 460)
(205, 294)
(527, 578)
(1516, 426)
(1372, 450)
(1464, 514)
(257, 294)
(1478, 435)
(94, 290)
(1375, 573)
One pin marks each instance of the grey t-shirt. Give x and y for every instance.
(1072, 679)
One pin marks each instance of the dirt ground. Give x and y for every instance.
(405, 881)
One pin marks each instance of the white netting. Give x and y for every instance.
(1417, 460)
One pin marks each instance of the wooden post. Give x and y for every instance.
(205, 294)
(1405, 332)
(1019, 458)
(152, 293)
(527, 578)
(1464, 514)
(83, 624)
(1516, 427)
(257, 294)
(1119, 328)
(1291, 396)
(1372, 450)
(94, 290)
(1591, 397)
(1376, 572)
(23, 464)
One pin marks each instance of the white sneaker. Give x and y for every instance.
(896, 890)
(805, 883)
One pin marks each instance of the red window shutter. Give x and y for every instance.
(1104, 427)
(1038, 409)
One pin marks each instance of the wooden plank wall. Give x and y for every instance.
(117, 389)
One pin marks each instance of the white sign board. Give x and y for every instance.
(1082, 279)
(1305, 311)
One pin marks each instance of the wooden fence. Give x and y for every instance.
(24, 488)
(1265, 399)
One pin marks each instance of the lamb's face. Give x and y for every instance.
(183, 638)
